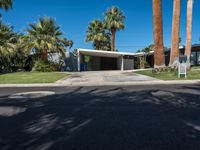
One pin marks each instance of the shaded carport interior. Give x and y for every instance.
(106, 60)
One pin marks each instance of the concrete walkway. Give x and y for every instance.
(104, 78)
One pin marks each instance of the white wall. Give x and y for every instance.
(119, 63)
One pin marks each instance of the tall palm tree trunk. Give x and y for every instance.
(159, 58)
(189, 30)
(113, 31)
(97, 45)
(175, 34)
(44, 55)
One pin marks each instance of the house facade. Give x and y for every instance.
(98, 60)
(195, 54)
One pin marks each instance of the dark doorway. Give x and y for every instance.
(108, 63)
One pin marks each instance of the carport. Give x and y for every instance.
(105, 60)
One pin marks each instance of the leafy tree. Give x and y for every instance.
(46, 38)
(97, 34)
(114, 21)
(147, 49)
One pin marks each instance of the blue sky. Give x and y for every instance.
(74, 16)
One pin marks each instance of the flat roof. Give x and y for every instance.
(101, 53)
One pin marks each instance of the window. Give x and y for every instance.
(198, 58)
(193, 58)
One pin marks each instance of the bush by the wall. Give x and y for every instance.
(41, 66)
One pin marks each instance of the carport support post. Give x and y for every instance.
(122, 65)
(78, 60)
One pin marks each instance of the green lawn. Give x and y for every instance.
(192, 75)
(31, 77)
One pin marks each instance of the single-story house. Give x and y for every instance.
(99, 60)
(105, 60)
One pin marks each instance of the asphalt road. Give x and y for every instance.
(156, 117)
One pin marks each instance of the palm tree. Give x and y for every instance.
(175, 34)
(189, 30)
(45, 38)
(97, 34)
(106, 45)
(159, 59)
(114, 21)
(5, 33)
(8, 40)
(6, 4)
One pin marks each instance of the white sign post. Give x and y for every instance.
(182, 66)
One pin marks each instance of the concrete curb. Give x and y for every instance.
(137, 83)
(30, 85)
(85, 84)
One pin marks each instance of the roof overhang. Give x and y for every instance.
(101, 53)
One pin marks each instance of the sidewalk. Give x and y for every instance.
(175, 82)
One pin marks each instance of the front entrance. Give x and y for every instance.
(108, 63)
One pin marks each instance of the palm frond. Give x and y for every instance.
(6, 4)
(114, 18)
(46, 35)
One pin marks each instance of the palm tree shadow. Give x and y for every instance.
(97, 118)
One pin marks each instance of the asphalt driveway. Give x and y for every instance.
(102, 118)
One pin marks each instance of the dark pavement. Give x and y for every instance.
(159, 117)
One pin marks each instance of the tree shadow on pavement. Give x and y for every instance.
(103, 119)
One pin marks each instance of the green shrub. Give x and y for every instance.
(136, 65)
(41, 66)
(146, 64)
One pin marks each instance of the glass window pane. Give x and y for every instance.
(193, 58)
(198, 58)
